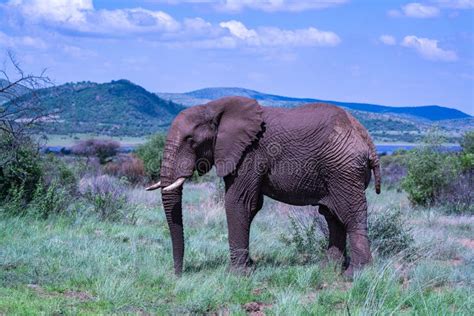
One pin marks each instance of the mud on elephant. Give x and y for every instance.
(316, 154)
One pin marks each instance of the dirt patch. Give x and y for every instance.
(78, 295)
(256, 308)
(466, 242)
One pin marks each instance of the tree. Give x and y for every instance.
(19, 151)
(102, 149)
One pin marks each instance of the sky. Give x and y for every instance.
(398, 53)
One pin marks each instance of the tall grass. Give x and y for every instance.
(77, 264)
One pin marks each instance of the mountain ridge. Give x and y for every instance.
(429, 112)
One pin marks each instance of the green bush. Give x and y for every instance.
(151, 154)
(48, 200)
(15, 203)
(467, 142)
(59, 173)
(20, 166)
(389, 232)
(429, 171)
(306, 237)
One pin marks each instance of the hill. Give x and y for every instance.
(429, 112)
(17, 90)
(117, 108)
(121, 108)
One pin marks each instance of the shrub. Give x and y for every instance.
(393, 169)
(100, 148)
(20, 166)
(59, 173)
(128, 167)
(151, 154)
(458, 197)
(48, 200)
(389, 232)
(467, 142)
(307, 236)
(15, 203)
(107, 196)
(429, 171)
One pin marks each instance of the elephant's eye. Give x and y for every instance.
(190, 140)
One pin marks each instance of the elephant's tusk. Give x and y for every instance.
(154, 186)
(175, 185)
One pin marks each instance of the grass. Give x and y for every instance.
(78, 265)
(70, 139)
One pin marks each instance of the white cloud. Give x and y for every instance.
(264, 5)
(80, 16)
(277, 5)
(428, 48)
(388, 40)
(272, 36)
(456, 4)
(65, 11)
(21, 41)
(418, 10)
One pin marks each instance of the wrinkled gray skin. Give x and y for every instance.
(316, 154)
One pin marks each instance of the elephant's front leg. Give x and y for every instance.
(242, 202)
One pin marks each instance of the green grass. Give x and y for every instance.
(78, 265)
(69, 140)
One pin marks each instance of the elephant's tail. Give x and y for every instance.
(374, 164)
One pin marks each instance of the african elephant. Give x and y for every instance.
(316, 154)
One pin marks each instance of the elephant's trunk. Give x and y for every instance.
(172, 204)
(174, 217)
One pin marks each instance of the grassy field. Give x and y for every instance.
(76, 264)
(69, 140)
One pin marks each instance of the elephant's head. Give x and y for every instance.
(216, 133)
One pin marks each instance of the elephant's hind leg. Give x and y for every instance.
(356, 227)
(337, 236)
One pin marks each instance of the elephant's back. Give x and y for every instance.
(309, 121)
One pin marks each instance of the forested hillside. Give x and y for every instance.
(116, 108)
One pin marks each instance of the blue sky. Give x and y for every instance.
(396, 53)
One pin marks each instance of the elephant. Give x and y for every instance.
(315, 154)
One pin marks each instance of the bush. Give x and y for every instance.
(393, 169)
(307, 236)
(48, 200)
(107, 196)
(20, 167)
(59, 173)
(100, 148)
(127, 166)
(429, 171)
(151, 154)
(389, 232)
(467, 142)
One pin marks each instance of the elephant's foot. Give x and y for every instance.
(335, 257)
(243, 269)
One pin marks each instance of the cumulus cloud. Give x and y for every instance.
(428, 48)
(418, 10)
(81, 16)
(388, 40)
(272, 36)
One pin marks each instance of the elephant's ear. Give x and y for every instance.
(239, 120)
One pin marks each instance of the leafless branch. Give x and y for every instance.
(21, 106)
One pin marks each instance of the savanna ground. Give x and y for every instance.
(75, 264)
